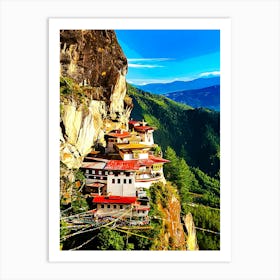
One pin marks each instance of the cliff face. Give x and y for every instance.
(167, 208)
(93, 99)
(173, 233)
(174, 236)
(191, 235)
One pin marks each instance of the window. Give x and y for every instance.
(92, 171)
(121, 207)
(124, 181)
(100, 172)
(108, 206)
(106, 172)
(115, 206)
(119, 181)
(87, 171)
(130, 181)
(113, 181)
(102, 205)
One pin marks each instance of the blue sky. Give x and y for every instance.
(169, 55)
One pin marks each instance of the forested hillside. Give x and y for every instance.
(192, 133)
(190, 139)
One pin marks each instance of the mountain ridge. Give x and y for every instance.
(163, 88)
(208, 97)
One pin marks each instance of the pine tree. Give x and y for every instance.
(179, 173)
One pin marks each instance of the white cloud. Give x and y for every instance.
(148, 59)
(206, 74)
(142, 82)
(134, 65)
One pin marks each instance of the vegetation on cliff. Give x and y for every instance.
(197, 193)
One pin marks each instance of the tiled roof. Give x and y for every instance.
(123, 146)
(122, 165)
(124, 134)
(93, 165)
(115, 199)
(143, 128)
(157, 159)
(132, 122)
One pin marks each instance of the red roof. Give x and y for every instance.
(115, 199)
(143, 128)
(147, 162)
(119, 135)
(133, 164)
(122, 165)
(157, 159)
(133, 122)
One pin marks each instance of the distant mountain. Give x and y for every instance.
(161, 88)
(208, 97)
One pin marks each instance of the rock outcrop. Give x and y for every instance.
(191, 233)
(93, 97)
(174, 234)
(165, 202)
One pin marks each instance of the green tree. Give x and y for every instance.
(109, 240)
(178, 172)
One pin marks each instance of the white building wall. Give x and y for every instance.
(143, 156)
(127, 156)
(147, 184)
(147, 138)
(150, 137)
(112, 211)
(121, 185)
(91, 181)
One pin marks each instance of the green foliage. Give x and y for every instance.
(208, 187)
(108, 239)
(206, 218)
(157, 151)
(79, 203)
(189, 179)
(71, 91)
(66, 85)
(79, 176)
(208, 241)
(193, 133)
(63, 231)
(129, 246)
(178, 172)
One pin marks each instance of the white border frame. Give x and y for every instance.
(222, 24)
(255, 138)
